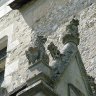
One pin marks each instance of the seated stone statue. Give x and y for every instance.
(38, 54)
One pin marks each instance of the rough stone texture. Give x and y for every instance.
(48, 18)
(36, 53)
(88, 38)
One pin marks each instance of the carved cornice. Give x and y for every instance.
(16, 4)
(41, 76)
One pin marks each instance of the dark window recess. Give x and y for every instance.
(3, 53)
(1, 77)
(2, 64)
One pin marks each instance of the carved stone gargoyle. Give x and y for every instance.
(56, 63)
(55, 53)
(71, 34)
(38, 54)
(61, 59)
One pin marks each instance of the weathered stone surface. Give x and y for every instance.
(70, 40)
(74, 74)
(88, 38)
(48, 18)
(12, 68)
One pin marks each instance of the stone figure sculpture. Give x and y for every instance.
(70, 41)
(56, 63)
(55, 53)
(61, 59)
(71, 34)
(38, 54)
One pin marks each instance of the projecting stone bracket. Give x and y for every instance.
(39, 68)
(39, 81)
(39, 71)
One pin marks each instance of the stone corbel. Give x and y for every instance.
(39, 81)
(39, 70)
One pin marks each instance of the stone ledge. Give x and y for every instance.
(42, 77)
(39, 68)
(38, 87)
(16, 4)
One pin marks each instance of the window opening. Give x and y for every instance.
(3, 55)
(2, 63)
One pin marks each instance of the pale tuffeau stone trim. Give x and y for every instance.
(4, 9)
(13, 67)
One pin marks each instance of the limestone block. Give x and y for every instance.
(7, 81)
(88, 38)
(39, 68)
(7, 32)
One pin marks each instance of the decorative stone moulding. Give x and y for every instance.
(16, 4)
(39, 88)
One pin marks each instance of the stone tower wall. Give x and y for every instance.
(48, 18)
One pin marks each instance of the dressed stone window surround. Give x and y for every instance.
(4, 8)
